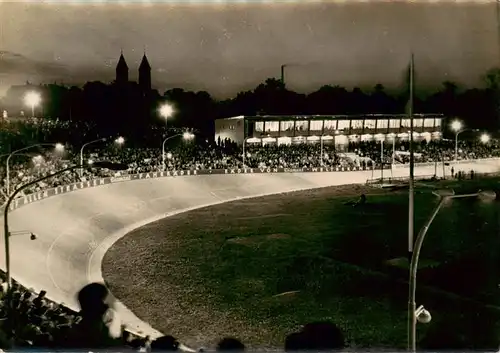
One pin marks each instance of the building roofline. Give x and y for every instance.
(333, 116)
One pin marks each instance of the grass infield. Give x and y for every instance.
(258, 269)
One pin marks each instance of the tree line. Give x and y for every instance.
(118, 108)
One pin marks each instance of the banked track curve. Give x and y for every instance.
(75, 229)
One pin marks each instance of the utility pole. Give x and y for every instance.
(411, 193)
(498, 25)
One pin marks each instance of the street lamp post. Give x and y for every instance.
(120, 140)
(393, 148)
(102, 165)
(321, 150)
(244, 152)
(382, 160)
(58, 147)
(185, 136)
(81, 151)
(457, 127)
(166, 111)
(32, 99)
(413, 312)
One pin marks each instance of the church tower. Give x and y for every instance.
(145, 75)
(121, 71)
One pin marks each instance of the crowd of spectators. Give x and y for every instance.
(31, 320)
(437, 150)
(190, 156)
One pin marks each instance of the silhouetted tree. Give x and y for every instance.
(124, 109)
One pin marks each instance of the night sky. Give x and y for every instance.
(227, 47)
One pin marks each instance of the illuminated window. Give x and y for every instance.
(428, 122)
(343, 124)
(370, 124)
(330, 125)
(272, 126)
(405, 123)
(394, 123)
(316, 125)
(382, 124)
(301, 125)
(259, 126)
(286, 125)
(418, 123)
(357, 124)
(438, 122)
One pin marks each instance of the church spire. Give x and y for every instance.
(121, 70)
(145, 74)
(144, 64)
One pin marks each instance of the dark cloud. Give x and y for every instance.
(224, 48)
(17, 69)
(17, 63)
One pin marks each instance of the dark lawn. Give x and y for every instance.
(222, 270)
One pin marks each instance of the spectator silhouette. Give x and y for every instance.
(359, 202)
(165, 343)
(295, 342)
(97, 319)
(230, 344)
(324, 336)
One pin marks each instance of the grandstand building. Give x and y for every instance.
(332, 129)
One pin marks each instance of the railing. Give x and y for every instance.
(41, 195)
(390, 180)
(451, 163)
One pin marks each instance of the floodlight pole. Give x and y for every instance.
(6, 222)
(411, 193)
(412, 317)
(81, 151)
(6, 218)
(163, 150)
(321, 151)
(7, 179)
(244, 152)
(456, 141)
(382, 161)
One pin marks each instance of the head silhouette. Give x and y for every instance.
(230, 344)
(323, 335)
(165, 343)
(92, 299)
(295, 342)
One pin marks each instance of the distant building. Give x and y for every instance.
(332, 129)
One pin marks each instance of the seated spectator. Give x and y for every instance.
(230, 344)
(317, 336)
(95, 330)
(295, 342)
(165, 343)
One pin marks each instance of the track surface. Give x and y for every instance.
(75, 230)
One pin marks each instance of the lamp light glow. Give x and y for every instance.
(485, 138)
(166, 111)
(456, 125)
